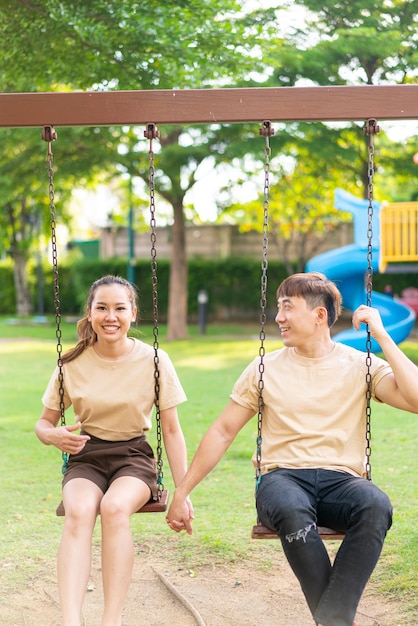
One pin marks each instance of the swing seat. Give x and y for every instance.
(259, 531)
(153, 506)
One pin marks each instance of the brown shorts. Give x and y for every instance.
(103, 461)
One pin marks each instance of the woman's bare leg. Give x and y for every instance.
(81, 499)
(125, 496)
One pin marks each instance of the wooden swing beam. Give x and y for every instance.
(200, 106)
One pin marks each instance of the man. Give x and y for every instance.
(313, 450)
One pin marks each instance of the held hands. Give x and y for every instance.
(368, 315)
(180, 514)
(68, 441)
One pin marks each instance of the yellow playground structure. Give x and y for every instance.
(395, 250)
(398, 236)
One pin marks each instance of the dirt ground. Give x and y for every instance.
(161, 594)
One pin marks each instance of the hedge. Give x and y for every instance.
(232, 285)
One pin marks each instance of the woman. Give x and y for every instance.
(108, 378)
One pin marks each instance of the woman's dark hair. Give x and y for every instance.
(86, 335)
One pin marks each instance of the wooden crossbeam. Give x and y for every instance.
(195, 106)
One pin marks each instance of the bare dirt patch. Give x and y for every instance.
(162, 594)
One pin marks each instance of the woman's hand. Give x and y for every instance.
(180, 514)
(66, 440)
(62, 437)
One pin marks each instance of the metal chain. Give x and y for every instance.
(370, 129)
(266, 131)
(151, 133)
(49, 135)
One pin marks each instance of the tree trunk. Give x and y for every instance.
(177, 296)
(23, 299)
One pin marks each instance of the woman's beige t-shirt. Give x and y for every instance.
(314, 412)
(114, 400)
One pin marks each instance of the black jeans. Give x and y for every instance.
(294, 502)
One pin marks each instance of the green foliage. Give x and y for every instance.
(399, 183)
(101, 45)
(114, 45)
(224, 280)
(233, 286)
(29, 197)
(301, 214)
(341, 43)
(135, 44)
(24, 188)
(7, 289)
(346, 42)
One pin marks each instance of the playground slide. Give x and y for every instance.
(346, 266)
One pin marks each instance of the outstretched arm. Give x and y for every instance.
(211, 449)
(174, 443)
(175, 447)
(399, 389)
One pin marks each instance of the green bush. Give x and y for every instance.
(7, 289)
(233, 286)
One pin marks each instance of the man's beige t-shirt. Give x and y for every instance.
(114, 400)
(314, 412)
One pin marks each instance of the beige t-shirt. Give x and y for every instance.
(114, 400)
(314, 412)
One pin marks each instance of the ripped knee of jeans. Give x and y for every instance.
(300, 534)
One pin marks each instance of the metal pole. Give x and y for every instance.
(202, 298)
(130, 274)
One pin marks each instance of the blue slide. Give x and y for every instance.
(346, 266)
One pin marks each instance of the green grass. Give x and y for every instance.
(224, 505)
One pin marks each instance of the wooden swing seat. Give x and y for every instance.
(259, 531)
(153, 506)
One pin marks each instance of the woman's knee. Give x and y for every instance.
(110, 507)
(81, 514)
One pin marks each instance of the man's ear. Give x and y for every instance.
(322, 314)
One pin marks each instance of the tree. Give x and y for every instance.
(360, 42)
(352, 41)
(135, 44)
(341, 43)
(107, 44)
(301, 212)
(176, 166)
(24, 200)
(399, 183)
